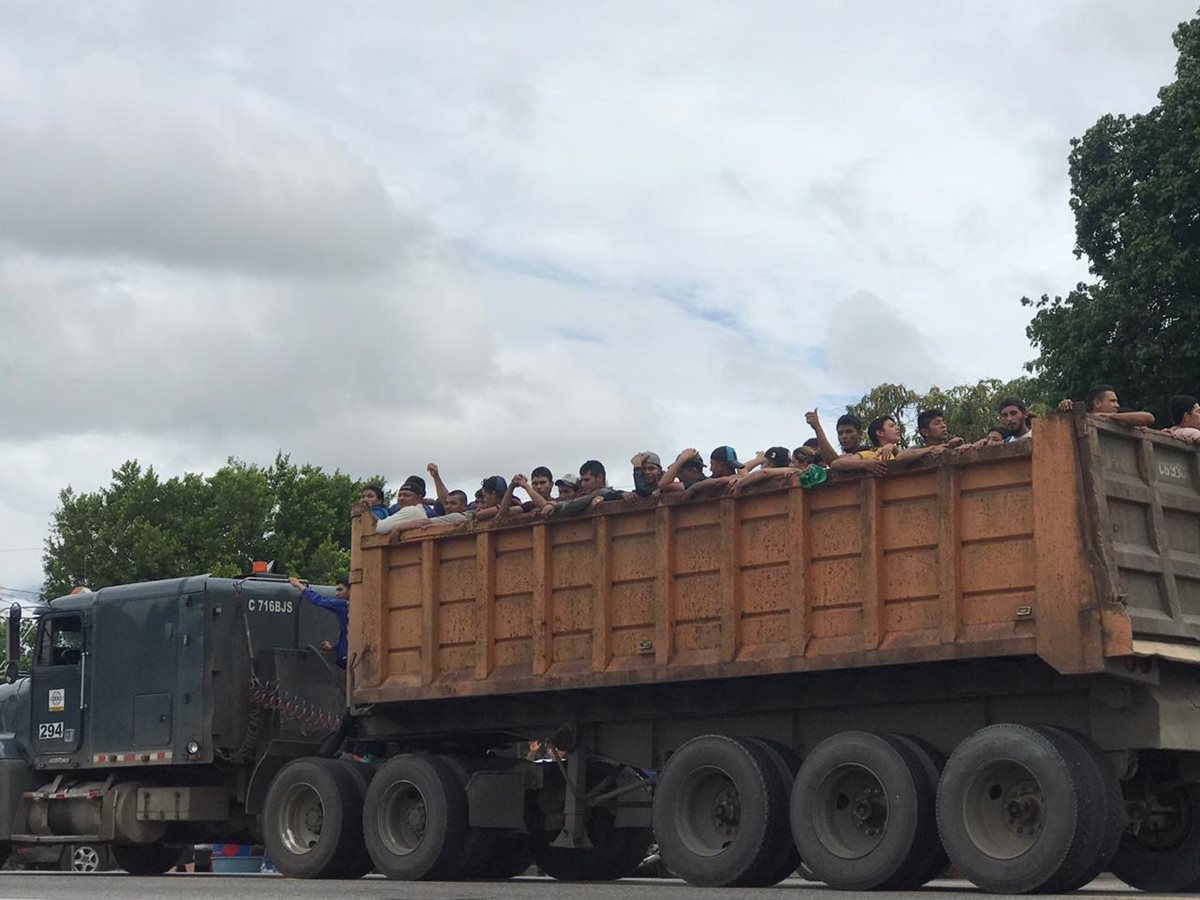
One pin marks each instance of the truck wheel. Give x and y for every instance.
(931, 761)
(718, 811)
(510, 857)
(82, 858)
(784, 859)
(361, 773)
(1009, 809)
(616, 852)
(1104, 818)
(862, 812)
(311, 822)
(416, 819)
(145, 859)
(1164, 855)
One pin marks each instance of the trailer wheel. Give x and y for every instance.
(311, 822)
(361, 774)
(146, 859)
(862, 812)
(416, 819)
(510, 857)
(1164, 854)
(718, 811)
(785, 858)
(615, 852)
(1104, 812)
(931, 761)
(1010, 809)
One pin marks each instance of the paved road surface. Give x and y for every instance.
(114, 886)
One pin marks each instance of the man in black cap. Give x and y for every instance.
(723, 463)
(410, 505)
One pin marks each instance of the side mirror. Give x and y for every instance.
(12, 670)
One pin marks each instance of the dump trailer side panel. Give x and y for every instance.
(980, 554)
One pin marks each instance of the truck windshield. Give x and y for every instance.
(61, 641)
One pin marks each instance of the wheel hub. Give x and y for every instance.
(727, 812)
(1023, 808)
(869, 811)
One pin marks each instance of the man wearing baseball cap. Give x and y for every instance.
(647, 471)
(723, 462)
(568, 486)
(410, 505)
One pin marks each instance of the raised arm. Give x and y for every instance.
(672, 472)
(523, 483)
(506, 501)
(442, 494)
(828, 452)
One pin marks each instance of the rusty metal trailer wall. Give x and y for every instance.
(1145, 490)
(981, 554)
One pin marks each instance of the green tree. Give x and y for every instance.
(1135, 191)
(970, 409)
(141, 527)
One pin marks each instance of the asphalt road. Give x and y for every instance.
(117, 886)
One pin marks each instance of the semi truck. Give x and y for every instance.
(988, 658)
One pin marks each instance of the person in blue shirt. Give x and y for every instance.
(373, 496)
(339, 605)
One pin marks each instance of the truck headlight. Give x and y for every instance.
(193, 748)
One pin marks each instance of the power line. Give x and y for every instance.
(20, 549)
(19, 591)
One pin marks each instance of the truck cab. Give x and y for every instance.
(150, 707)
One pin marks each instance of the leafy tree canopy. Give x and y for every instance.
(970, 409)
(1135, 191)
(141, 527)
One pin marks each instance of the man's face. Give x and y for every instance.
(1191, 419)
(1106, 403)
(541, 484)
(1013, 418)
(456, 503)
(408, 498)
(590, 482)
(652, 472)
(565, 491)
(995, 437)
(849, 437)
(489, 499)
(342, 592)
(720, 468)
(691, 472)
(369, 496)
(936, 432)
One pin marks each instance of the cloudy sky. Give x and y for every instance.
(496, 235)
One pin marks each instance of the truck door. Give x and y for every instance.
(57, 687)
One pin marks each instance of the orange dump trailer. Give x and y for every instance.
(988, 657)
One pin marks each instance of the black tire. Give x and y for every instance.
(1106, 817)
(84, 858)
(312, 826)
(862, 813)
(510, 857)
(1009, 809)
(718, 811)
(615, 852)
(784, 859)
(935, 862)
(145, 859)
(478, 850)
(1164, 857)
(360, 863)
(415, 819)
